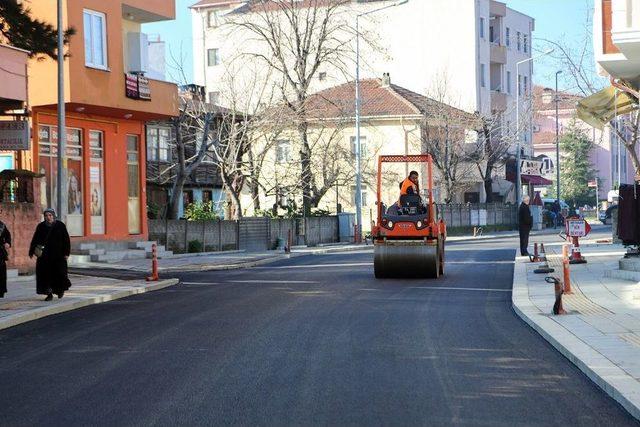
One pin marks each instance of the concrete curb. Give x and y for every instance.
(74, 302)
(604, 373)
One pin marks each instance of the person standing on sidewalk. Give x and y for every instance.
(525, 222)
(5, 244)
(51, 245)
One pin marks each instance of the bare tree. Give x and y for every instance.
(449, 135)
(297, 38)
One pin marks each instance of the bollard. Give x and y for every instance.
(565, 269)
(287, 248)
(536, 255)
(558, 290)
(154, 265)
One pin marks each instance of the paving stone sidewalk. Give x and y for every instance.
(21, 303)
(601, 332)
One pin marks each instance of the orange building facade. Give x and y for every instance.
(109, 96)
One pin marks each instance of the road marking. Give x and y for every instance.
(279, 282)
(355, 264)
(479, 262)
(445, 288)
(201, 283)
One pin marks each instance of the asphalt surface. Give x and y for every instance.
(313, 340)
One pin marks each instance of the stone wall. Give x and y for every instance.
(21, 219)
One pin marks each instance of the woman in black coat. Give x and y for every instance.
(51, 267)
(5, 244)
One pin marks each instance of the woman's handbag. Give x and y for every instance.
(39, 249)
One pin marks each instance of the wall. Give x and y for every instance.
(21, 219)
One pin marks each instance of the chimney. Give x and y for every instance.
(386, 80)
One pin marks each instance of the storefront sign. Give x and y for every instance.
(137, 87)
(14, 135)
(531, 167)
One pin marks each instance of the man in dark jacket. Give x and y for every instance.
(525, 222)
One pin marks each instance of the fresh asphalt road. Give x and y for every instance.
(313, 340)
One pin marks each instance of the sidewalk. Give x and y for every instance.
(601, 332)
(21, 303)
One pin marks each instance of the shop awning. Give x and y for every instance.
(535, 180)
(600, 108)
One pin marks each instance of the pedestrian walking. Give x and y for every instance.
(525, 222)
(5, 244)
(51, 245)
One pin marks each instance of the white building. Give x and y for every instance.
(472, 46)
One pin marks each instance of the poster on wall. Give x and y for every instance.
(95, 207)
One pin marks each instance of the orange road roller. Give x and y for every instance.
(408, 238)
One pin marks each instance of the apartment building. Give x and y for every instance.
(467, 48)
(608, 158)
(109, 96)
(616, 39)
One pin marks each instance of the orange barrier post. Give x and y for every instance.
(557, 284)
(154, 265)
(565, 269)
(536, 257)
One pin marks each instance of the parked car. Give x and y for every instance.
(605, 216)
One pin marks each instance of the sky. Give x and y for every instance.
(555, 20)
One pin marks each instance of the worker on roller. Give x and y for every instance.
(410, 185)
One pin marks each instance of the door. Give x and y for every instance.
(133, 172)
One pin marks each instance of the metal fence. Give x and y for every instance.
(478, 214)
(251, 234)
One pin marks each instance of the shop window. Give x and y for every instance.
(48, 166)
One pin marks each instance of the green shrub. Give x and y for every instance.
(194, 246)
(200, 211)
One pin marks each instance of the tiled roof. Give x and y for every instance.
(377, 100)
(567, 101)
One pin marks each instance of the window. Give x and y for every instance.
(213, 57)
(158, 144)
(283, 152)
(518, 41)
(212, 19)
(525, 43)
(525, 85)
(508, 37)
(363, 196)
(481, 24)
(519, 85)
(363, 146)
(214, 98)
(207, 196)
(482, 75)
(95, 39)
(509, 82)
(187, 198)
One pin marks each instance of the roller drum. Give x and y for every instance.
(406, 260)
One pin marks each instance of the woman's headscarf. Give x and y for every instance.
(51, 211)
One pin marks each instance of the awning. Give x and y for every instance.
(535, 180)
(601, 107)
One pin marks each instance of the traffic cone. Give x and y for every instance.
(543, 268)
(576, 256)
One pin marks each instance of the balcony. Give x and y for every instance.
(145, 11)
(625, 28)
(498, 53)
(498, 100)
(498, 9)
(13, 75)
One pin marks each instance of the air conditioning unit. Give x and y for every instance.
(138, 52)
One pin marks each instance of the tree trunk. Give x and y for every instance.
(306, 175)
(176, 196)
(253, 182)
(488, 183)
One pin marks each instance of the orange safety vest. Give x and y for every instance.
(406, 184)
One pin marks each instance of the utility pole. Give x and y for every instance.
(62, 130)
(557, 144)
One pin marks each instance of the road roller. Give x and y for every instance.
(408, 238)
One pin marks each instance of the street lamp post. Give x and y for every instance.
(62, 130)
(518, 184)
(357, 145)
(557, 144)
